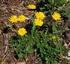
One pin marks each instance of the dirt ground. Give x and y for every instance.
(8, 8)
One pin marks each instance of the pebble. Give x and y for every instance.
(20, 63)
(69, 53)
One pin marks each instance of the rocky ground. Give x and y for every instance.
(8, 8)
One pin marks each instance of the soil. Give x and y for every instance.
(16, 7)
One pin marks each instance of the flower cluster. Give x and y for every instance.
(40, 30)
(38, 21)
(20, 18)
(39, 18)
(15, 19)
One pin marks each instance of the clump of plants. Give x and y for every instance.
(44, 35)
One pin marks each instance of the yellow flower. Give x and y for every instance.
(56, 16)
(22, 31)
(31, 6)
(38, 22)
(40, 15)
(21, 18)
(13, 19)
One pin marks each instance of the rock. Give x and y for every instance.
(20, 63)
(69, 53)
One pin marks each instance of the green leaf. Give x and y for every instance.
(57, 2)
(51, 1)
(67, 13)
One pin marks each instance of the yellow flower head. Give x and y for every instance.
(40, 15)
(38, 22)
(31, 6)
(13, 19)
(22, 31)
(21, 18)
(56, 16)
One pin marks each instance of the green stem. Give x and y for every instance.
(33, 29)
